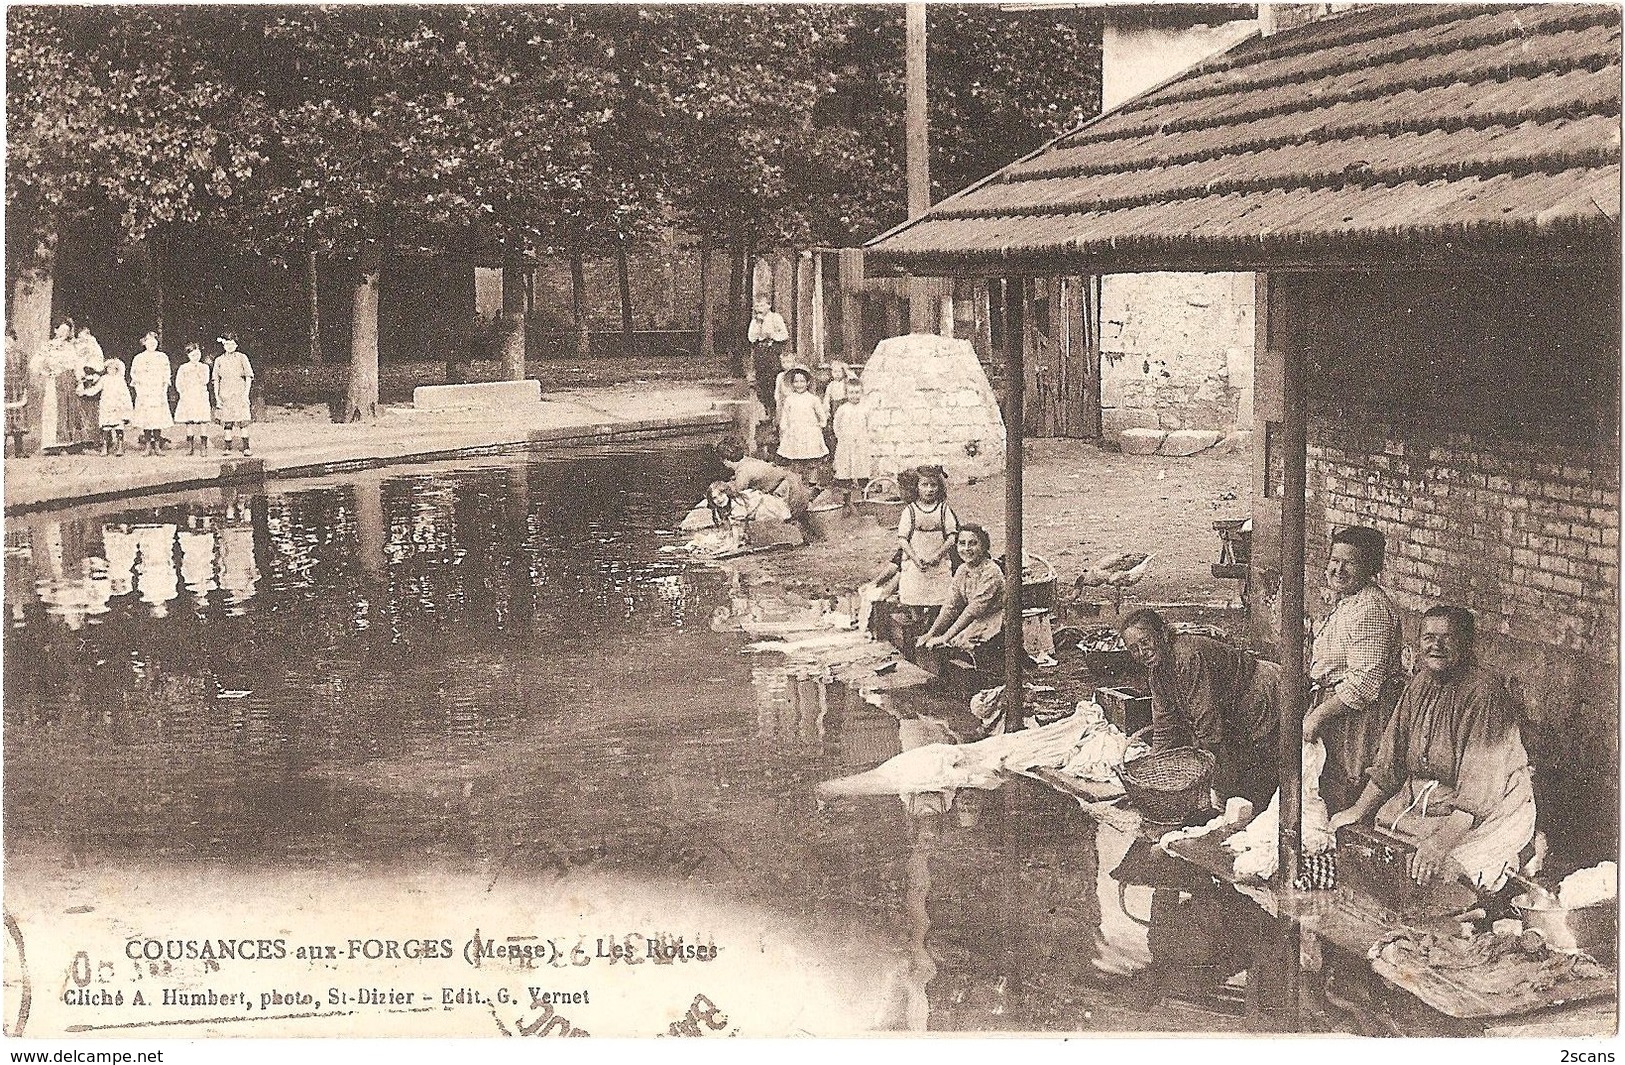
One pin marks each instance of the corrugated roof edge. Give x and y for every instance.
(1047, 145)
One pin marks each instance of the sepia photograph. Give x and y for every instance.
(834, 520)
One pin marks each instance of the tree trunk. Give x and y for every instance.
(513, 320)
(623, 272)
(578, 304)
(30, 317)
(708, 328)
(736, 285)
(313, 302)
(152, 278)
(362, 399)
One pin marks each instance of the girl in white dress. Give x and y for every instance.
(925, 532)
(150, 375)
(801, 427)
(854, 463)
(115, 407)
(193, 411)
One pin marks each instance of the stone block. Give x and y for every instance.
(1140, 441)
(488, 395)
(1236, 443)
(1114, 420)
(1182, 442)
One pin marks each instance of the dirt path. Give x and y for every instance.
(1082, 503)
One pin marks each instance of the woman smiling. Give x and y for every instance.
(1354, 667)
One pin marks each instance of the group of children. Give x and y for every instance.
(141, 401)
(815, 427)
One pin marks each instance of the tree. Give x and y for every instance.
(754, 160)
(372, 153)
(117, 114)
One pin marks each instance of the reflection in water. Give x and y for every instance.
(497, 670)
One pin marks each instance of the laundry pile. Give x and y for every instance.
(1085, 745)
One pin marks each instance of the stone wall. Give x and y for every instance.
(1176, 351)
(930, 402)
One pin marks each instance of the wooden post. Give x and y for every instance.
(819, 354)
(1015, 654)
(916, 133)
(852, 339)
(1275, 326)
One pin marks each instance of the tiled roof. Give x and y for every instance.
(1395, 134)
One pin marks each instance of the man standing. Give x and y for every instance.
(767, 335)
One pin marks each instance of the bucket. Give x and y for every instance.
(1589, 929)
(825, 519)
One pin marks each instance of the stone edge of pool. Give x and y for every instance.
(66, 492)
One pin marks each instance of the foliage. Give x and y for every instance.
(121, 111)
(515, 130)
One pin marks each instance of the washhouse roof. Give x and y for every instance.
(1392, 135)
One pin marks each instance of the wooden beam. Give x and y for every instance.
(917, 154)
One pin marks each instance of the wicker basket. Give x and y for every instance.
(1167, 786)
(886, 512)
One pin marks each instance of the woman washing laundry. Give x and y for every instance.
(1451, 774)
(974, 612)
(751, 472)
(1211, 695)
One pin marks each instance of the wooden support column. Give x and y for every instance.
(917, 155)
(1014, 654)
(1286, 346)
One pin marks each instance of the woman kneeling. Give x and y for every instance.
(974, 612)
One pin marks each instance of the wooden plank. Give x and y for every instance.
(1089, 312)
(982, 322)
(853, 343)
(816, 323)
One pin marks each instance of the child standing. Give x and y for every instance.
(150, 375)
(801, 427)
(854, 464)
(115, 408)
(233, 378)
(192, 382)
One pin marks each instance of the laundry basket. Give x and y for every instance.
(883, 501)
(1167, 786)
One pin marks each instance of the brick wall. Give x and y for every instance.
(1473, 420)
(1526, 536)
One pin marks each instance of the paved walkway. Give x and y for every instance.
(292, 447)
